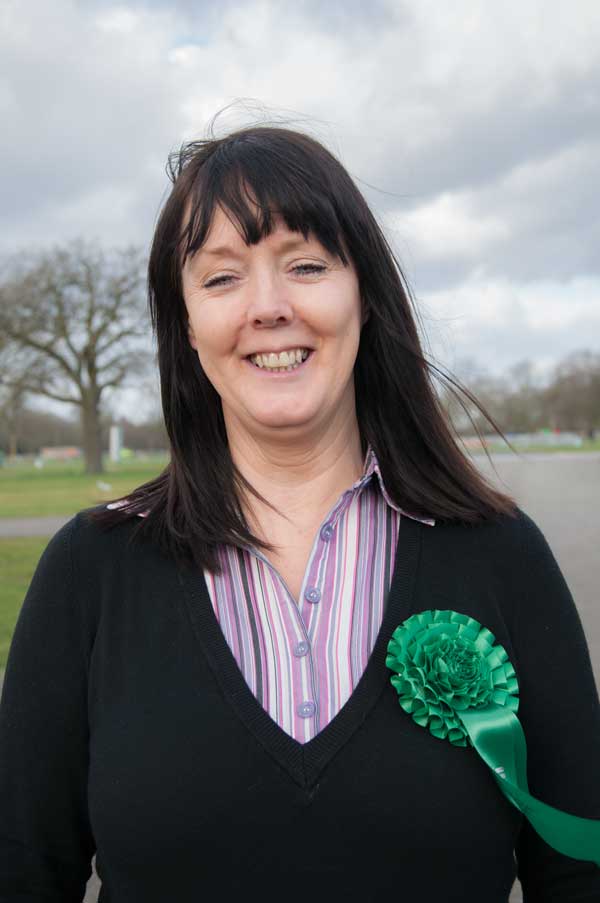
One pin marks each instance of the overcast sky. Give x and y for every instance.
(473, 129)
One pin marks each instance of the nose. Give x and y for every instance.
(269, 304)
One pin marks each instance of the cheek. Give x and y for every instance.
(212, 334)
(339, 315)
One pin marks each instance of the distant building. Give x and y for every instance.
(60, 453)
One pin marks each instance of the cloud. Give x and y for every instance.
(499, 322)
(86, 119)
(447, 227)
(473, 129)
(539, 221)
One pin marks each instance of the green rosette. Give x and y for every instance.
(455, 680)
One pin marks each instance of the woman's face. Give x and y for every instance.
(284, 294)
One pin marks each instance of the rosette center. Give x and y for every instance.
(464, 662)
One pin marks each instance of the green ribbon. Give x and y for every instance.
(454, 679)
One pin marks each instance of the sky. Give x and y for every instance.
(472, 129)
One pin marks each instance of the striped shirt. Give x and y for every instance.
(303, 658)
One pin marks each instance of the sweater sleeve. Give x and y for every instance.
(560, 714)
(46, 842)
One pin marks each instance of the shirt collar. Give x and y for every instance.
(370, 467)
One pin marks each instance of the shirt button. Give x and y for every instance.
(306, 709)
(313, 595)
(326, 532)
(300, 649)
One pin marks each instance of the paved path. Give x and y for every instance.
(31, 526)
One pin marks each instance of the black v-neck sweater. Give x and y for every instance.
(126, 728)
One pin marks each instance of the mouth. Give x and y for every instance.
(259, 365)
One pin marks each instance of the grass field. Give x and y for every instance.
(63, 488)
(18, 558)
(57, 488)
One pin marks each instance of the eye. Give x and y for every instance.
(309, 268)
(304, 269)
(218, 280)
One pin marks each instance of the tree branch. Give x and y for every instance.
(29, 342)
(39, 390)
(116, 380)
(129, 332)
(62, 321)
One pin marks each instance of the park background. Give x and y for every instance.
(473, 129)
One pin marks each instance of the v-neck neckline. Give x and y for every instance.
(304, 762)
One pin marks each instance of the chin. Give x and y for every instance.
(282, 421)
(281, 418)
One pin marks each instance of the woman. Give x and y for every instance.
(198, 687)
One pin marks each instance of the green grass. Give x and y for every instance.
(501, 448)
(18, 559)
(63, 488)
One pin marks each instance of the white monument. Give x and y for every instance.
(115, 442)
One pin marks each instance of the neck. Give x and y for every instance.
(302, 478)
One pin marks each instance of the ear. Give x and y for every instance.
(365, 316)
(191, 336)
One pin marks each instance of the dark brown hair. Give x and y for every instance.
(194, 504)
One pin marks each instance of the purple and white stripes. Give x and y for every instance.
(303, 658)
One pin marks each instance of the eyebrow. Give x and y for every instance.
(227, 251)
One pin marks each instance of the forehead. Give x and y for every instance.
(243, 218)
(224, 235)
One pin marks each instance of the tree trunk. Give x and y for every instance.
(13, 444)
(92, 440)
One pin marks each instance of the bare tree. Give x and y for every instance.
(72, 321)
(519, 402)
(37, 428)
(523, 406)
(573, 396)
(490, 390)
(12, 400)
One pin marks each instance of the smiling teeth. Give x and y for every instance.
(286, 360)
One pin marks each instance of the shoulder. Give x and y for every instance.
(86, 526)
(85, 543)
(504, 564)
(105, 569)
(516, 536)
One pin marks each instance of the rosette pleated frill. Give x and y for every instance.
(455, 680)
